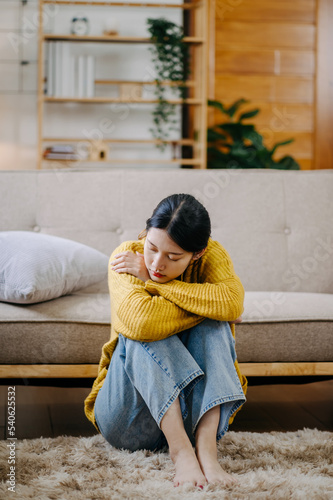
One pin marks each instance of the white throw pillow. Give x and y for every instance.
(35, 267)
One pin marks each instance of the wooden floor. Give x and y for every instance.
(52, 411)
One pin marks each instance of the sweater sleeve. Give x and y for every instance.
(139, 315)
(219, 295)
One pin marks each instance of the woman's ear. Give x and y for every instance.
(197, 255)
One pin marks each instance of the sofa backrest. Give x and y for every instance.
(276, 225)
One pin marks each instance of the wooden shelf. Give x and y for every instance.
(185, 6)
(180, 161)
(180, 142)
(193, 108)
(189, 83)
(165, 83)
(104, 100)
(48, 37)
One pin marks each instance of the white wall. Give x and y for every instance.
(18, 83)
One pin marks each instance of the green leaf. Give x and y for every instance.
(233, 129)
(215, 135)
(278, 144)
(264, 156)
(216, 104)
(254, 137)
(242, 145)
(216, 153)
(238, 131)
(249, 114)
(234, 107)
(238, 150)
(286, 163)
(170, 56)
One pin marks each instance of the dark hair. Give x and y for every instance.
(185, 219)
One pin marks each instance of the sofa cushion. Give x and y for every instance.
(39, 267)
(74, 328)
(88, 305)
(60, 342)
(69, 330)
(285, 342)
(287, 306)
(92, 305)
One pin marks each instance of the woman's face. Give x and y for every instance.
(164, 259)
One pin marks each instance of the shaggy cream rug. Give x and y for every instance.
(276, 465)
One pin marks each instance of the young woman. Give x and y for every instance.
(169, 373)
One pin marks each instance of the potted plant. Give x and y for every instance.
(171, 61)
(235, 144)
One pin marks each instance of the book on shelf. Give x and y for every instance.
(90, 76)
(50, 68)
(80, 81)
(68, 75)
(60, 152)
(61, 156)
(66, 70)
(60, 148)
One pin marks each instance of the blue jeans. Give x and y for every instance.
(144, 378)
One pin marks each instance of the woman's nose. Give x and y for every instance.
(159, 262)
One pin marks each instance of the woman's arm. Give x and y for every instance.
(144, 317)
(219, 295)
(220, 301)
(139, 315)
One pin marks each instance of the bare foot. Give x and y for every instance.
(206, 449)
(187, 468)
(214, 472)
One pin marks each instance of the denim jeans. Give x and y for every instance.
(144, 378)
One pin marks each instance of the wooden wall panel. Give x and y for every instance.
(265, 51)
(305, 164)
(324, 81)
(302, 147)
(297, 63)
(265, 88)
(268, 35)
(277, 116)
(284, 62)
(297, 11)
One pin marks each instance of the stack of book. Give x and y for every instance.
(68, 75)
(60, 152)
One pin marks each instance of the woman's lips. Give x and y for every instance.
(158, 275)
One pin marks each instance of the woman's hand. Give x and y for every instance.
(236, 321)
(131, 263)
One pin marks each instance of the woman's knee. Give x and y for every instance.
(222, 327)
(208, 339)
(141, 433)
(213, 324)
(210, 327)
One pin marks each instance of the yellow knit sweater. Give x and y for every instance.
(149, 311)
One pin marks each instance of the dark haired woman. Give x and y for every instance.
(169, 373)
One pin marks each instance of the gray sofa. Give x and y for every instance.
(276, 225)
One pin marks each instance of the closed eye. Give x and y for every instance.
(153, 249)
